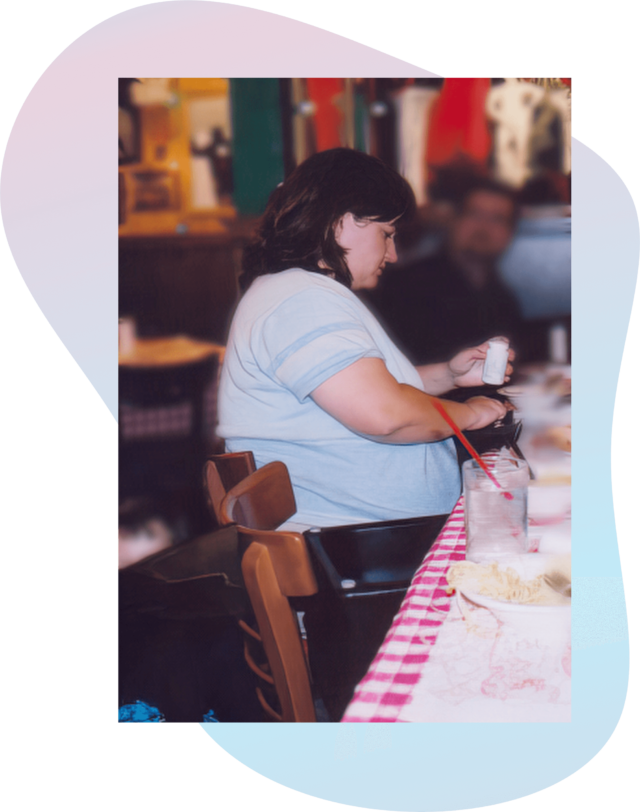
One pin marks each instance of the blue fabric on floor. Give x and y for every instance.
(177, 658)
(139, 712)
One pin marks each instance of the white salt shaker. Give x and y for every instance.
(495, 364)
(126, 336)
(558, 344)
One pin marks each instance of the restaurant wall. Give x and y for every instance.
(179, 285)
(419, 126)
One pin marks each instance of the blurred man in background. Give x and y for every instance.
(455, 298)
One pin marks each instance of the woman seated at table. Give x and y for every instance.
(311, 378)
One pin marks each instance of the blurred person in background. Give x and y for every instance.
(434, 306)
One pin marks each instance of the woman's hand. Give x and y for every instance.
(486, 411)
(466, 367)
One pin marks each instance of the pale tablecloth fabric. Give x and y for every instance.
(434, 665)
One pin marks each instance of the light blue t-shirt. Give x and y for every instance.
(291, 332)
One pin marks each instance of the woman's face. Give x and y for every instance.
(369, 246)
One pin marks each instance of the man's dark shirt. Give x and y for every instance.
(431, 311)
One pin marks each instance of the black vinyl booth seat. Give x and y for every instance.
(363, 573)
(372, 557)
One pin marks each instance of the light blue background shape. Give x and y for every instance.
(71, 270)
(461, 766)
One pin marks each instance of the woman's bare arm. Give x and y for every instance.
(367, 399)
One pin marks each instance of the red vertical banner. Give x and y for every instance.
(458, 123)
(327, 96)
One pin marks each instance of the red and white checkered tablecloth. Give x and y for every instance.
(388, 684)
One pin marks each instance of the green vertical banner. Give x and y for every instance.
(361, 115)
(258, 162)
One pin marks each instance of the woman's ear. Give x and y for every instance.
(339, 227)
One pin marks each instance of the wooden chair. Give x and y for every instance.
(221, 473)
(362, 573)
(263, 501)
(275, 567)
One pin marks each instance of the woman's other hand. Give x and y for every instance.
(487, 411)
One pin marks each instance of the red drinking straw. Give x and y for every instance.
(440, 408)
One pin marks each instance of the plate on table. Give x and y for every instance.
(527, 567)
(526, 629)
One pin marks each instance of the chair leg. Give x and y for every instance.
(267, 707)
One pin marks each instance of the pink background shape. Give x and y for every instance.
(59, 194)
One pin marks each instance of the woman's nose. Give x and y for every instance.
(391, 255)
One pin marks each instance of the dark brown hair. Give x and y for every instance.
(297, 227)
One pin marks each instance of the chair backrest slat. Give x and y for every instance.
(263, 501)
(222, 472)
(263, 577)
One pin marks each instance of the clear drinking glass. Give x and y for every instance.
(495, 524)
